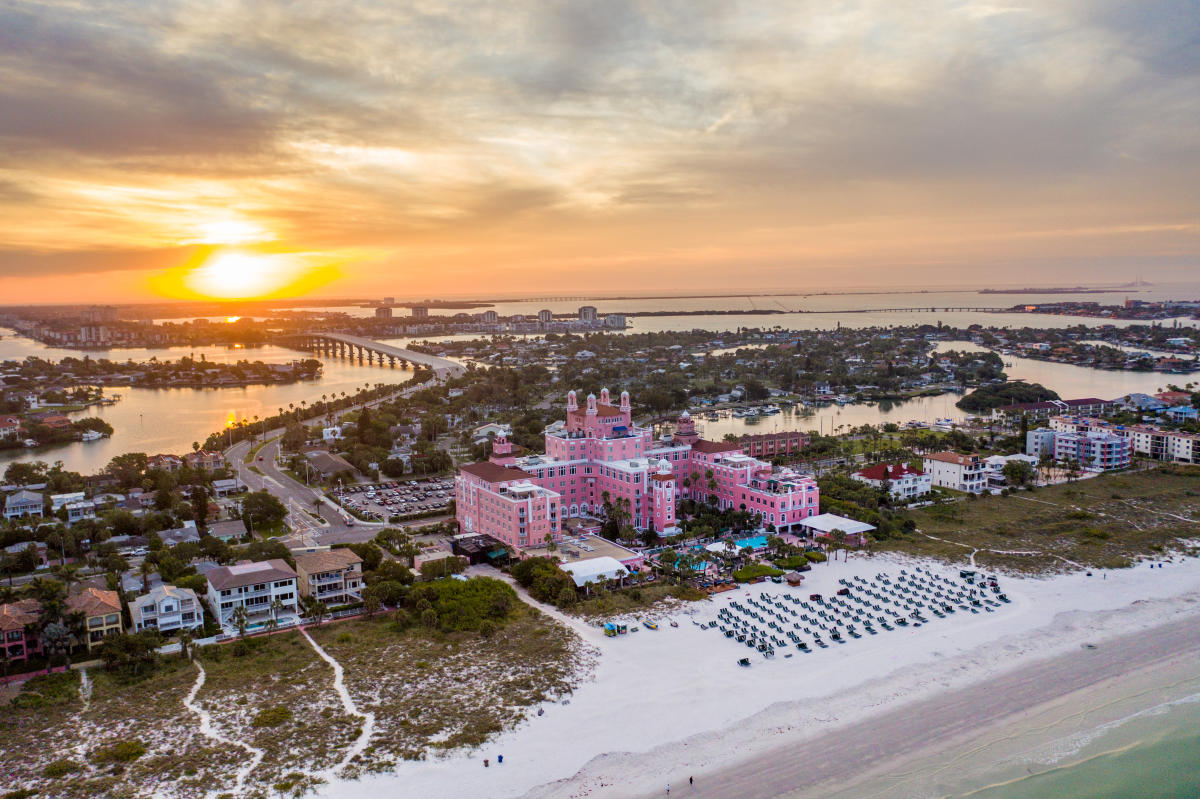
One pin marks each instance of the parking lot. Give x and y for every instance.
(398, 498)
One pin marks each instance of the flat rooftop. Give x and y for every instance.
(571, 550)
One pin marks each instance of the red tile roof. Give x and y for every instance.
(716, 446)
(494, 472)
(95, 602)
(15, 615)
(887, 471)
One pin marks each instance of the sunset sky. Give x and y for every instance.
(218, 148)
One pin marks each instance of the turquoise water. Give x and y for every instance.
(754, 542)
(1156, 758)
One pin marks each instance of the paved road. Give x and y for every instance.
(298, 497)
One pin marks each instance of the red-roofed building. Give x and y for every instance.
(904, 482)
(16, 619)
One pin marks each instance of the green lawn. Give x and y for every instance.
(1102, 522)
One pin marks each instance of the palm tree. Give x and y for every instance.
(240, 619)
(185, 641)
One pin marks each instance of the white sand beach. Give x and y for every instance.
(671, 703)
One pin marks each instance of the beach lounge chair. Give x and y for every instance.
(744, 662)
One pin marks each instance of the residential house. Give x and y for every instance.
(166, 463)
(23, 503)
(327, 464)
(228, 530)
(188, 534)
(78, 511)
(101, 611)
(205, 460)
(166, 609)
(61, 500)
(904, 482)
(1182, 413)
(334, 577)
(17, 639)
(254, 586)
(959, 472)
(995, 467)
(10, 428)
(232, 485)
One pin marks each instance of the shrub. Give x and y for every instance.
(461, 605)
(272, 717)
(60, 768)
(48, 690)
(753, 571)
(119, 752)
(815, 557)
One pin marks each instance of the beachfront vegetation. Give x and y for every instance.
(755, 571)
(433, 691)
(545, 581)
(654, 599)
(1107, 521)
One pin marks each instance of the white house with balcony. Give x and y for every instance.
(167, 609)
(254, 586)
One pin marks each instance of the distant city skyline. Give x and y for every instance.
(186, 151)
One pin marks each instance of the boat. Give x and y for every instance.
(650, 625)
(91, 435)
(29, 442)
(712, 416)
(674, 623)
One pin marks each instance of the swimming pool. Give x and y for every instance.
(754, 542)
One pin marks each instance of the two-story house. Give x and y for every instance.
(23, 503)
(166, 609)
(334, 577)
(904, 482)
(101, 611)
(254, 586)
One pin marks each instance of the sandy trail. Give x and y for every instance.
(339, 685)
(206, 729)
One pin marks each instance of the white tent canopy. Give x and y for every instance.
(826, 523)
(594, 570)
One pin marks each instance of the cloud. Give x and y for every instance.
(621, 129)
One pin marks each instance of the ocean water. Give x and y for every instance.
(1154, 755)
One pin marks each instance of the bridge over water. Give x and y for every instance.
(341, 344)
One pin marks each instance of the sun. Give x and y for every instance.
(239, 275)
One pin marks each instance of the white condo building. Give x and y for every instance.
(254, 586)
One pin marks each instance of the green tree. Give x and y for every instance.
(240, 619)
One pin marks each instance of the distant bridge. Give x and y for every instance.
(341, 344)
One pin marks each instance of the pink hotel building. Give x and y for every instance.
(520, 499)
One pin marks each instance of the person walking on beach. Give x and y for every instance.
(691, 780)
(668, 789)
